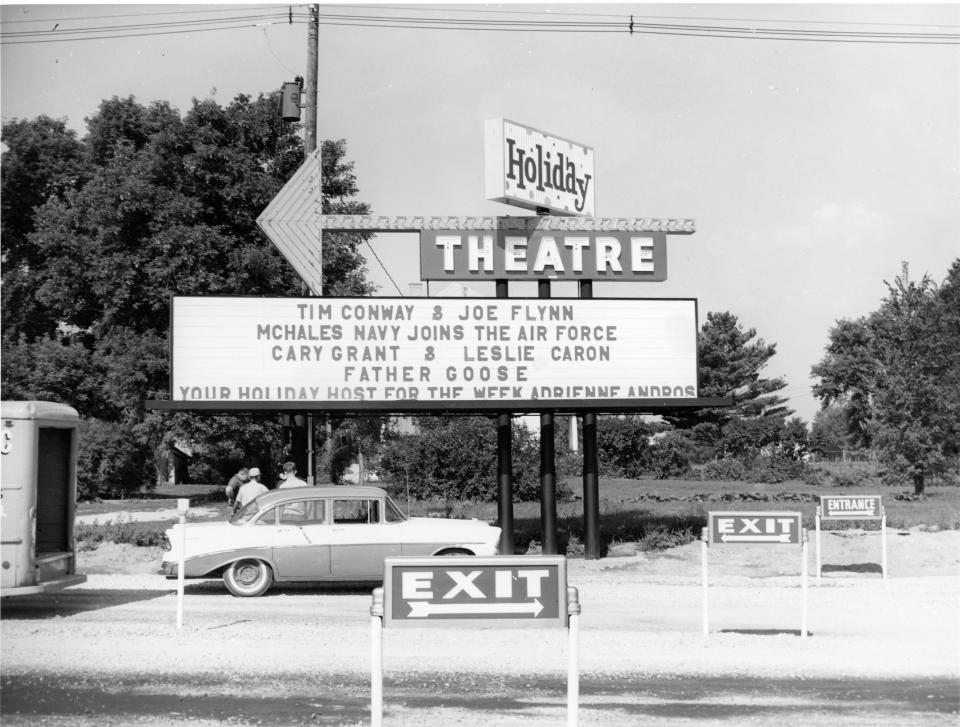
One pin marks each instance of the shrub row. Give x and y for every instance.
(149, 534)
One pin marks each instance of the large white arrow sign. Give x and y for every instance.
(784, 538)
(292, 222)
(423, 609)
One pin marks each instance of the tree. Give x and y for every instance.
(456, 458)
(146, 206)
(43, 162)
(900, 375)
(830, 431)
(731, 360)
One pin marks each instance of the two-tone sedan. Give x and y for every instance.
(316, 534)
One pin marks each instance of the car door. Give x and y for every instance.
(301, 547)
(360, 539)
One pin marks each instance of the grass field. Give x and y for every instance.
(653, 513)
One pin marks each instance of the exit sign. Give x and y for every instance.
(770, 528)
(529, 590)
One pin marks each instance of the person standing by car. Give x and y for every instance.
(251, 490)
(236, 482)
(290, 478)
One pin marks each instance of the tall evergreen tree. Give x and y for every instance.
(731, 361)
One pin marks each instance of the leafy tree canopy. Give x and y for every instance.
(100, 232)
(896, 373)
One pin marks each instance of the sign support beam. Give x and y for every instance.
(522, 223)
(591, 469)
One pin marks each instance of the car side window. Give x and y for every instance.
(303, 512)
(269, 517)
(359, 511)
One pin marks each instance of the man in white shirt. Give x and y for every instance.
(251, 490)
(290, 478)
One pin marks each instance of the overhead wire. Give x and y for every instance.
(57, 34)
(550, 13)
(632, 26)
(477, 19)
(384, 268)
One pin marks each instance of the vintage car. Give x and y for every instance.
(316, 534)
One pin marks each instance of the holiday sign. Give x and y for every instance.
(526, 167)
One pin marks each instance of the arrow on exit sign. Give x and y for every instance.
(292, 222)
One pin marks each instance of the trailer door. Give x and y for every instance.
(53, 490)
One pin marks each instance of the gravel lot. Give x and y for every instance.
(108, 652)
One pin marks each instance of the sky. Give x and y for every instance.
(813, 170)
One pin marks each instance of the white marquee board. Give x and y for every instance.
(411, 352)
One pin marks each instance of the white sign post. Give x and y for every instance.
(852, 507)
(183, 506)
(756, 528)
(525, 591)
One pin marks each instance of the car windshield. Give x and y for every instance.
(393, 513)
(246, 513)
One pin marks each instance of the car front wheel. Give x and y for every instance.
(248, 578)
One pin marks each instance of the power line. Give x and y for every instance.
(384, 267)
(547, 23)
(542, 13)
(218, 9)
(632, 27)
(59, 34)
(139, 26)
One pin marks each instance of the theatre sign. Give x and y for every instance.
(429, 353)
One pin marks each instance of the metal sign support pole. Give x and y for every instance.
(573, 664)
(376, 659)
(803, 583)
(703, 573)
(819, 566)
(183, 505)
(883, 543)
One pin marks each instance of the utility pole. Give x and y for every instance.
(303, 436)
(313, 43)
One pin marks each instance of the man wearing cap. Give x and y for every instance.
(290, 478)
(251, 490)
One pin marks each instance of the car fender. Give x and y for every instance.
(210, 564)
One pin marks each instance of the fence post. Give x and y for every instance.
(376, 658)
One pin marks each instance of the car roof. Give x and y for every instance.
(298, 493)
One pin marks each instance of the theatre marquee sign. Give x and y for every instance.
(429, 353)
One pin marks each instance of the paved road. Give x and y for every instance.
(108, 653)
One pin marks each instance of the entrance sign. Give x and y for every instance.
(852, 507)
(292, 222)
(753, 528)
(432, 591)
(544, 254)
(530, 168)
(422, 353)
(518, 591)
(770, 528)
